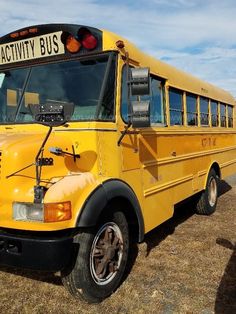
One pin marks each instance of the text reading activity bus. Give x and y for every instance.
(98, 142)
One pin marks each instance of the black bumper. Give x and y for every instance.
(40, 251)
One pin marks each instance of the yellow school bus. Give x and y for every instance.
(99, 142)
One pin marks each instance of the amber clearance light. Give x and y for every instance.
(72, 44)
(24, 33)
(54, 212)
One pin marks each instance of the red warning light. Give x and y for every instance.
(88, 40)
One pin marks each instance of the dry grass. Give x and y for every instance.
(187, 265)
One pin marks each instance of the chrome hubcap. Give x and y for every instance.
(212, 194)
(106, 253)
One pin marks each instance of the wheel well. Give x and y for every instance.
(123, 204)
(216, 167)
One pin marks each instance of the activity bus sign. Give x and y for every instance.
(33, 48)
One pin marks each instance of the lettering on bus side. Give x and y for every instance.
(208, 142)
(33, 48)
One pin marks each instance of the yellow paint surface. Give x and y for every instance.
(163, 165)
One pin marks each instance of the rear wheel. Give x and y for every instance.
(206, 204)
(100, 261)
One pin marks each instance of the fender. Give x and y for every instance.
(101, 196)
(214, 165)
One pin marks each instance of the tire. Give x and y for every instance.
(206, 204)
(101, 259)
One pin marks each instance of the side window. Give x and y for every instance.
(124, 96)
(222, 115)
(176, 106)
(191, 105)
(230, 116)
(156, 98)
(204, 111)
(214, 113)
(156, 101)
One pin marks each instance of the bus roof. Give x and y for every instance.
(175, 77)
(29, 45)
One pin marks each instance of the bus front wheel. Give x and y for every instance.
(101, 259)
(206, 204)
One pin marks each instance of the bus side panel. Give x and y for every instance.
(175, 167)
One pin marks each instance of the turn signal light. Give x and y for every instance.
(54, 212)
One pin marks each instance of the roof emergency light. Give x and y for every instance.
(84, 39)
(72, 44)
(88, 40)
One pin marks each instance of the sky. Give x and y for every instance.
(197, 36)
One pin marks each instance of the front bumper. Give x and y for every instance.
(49, 251)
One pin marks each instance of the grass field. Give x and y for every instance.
(187, 265)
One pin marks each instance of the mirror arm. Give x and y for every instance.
(39, 190)
(43, 144)
(123, 133)
(22, 94)
(59, 152)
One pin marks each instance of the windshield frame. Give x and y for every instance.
(110, 55)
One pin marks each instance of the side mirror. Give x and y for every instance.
(140, 114)
(140, 78)
(52, 113)
(139, 86)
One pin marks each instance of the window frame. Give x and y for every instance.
(191, 112)
(202, 113)
(230, 118)
(181, 93)
(223, 122)
(212, 101)
(144, 97)
(163, 100)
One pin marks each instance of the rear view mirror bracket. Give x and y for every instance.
(51, 114)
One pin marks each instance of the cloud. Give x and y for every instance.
(173, 24)
(197, 36)
(212, 64)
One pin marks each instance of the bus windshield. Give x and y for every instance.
(88, 84)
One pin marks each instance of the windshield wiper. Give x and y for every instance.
(22, 94)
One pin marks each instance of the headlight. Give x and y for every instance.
(50, 212)
(28, 211)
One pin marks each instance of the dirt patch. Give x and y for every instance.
(186, 265)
